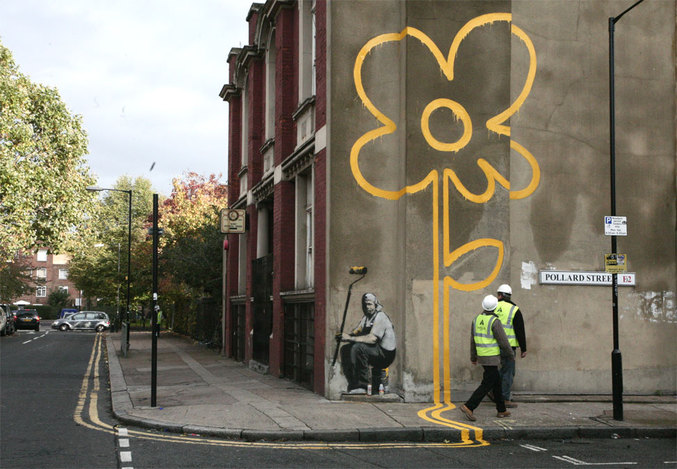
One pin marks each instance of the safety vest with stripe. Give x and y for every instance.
(485, 342)
(506, 313)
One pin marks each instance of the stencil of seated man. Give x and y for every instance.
(371, 343)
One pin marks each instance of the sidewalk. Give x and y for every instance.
(201, 392)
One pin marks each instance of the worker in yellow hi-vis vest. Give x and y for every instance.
(488, 342)
(158, 311)
(513, 324)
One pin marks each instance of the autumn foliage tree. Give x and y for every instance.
(191, 245)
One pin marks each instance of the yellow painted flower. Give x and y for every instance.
(495, 125)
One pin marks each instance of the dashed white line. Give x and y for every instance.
(125, 456)
(578, 462)
(533, 448)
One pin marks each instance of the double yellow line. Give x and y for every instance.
(87, 414)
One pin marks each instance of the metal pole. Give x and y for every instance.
(224, 295)
(616, 357)
(129, 260)
(154, 313)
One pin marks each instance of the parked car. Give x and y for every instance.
(85, 320)
(6, 323)
(27, 319)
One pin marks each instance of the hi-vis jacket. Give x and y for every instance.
(506, 313)
(488, 340)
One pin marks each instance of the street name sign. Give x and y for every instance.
(564, 277)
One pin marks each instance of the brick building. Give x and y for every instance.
(452, 147)
(276, 173)
(48, 272)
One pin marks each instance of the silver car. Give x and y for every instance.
(85, 320)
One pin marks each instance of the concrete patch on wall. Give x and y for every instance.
(529, 275)
(414, 392)
(655, 306)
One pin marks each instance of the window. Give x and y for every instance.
(242, 265)
(60, 259)
(63, 288)
(245, 142)
(41, 273)
(271, 56)
(304, 230)
(306, 49)
(42, 255)
(41, 292)
(63, 274)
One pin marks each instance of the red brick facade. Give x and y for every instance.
(273, 190)
(54, 268)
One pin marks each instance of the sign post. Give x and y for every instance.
(616, 365)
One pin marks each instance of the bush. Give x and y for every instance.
(46, 311)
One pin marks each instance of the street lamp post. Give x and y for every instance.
(129, 246)
(616, 358)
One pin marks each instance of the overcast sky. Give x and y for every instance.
(145, 76)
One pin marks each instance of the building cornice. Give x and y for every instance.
(299, 160)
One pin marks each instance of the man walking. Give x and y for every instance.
(488, 343)
(513, 324)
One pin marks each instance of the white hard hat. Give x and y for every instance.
(489, 303)
(505, 288)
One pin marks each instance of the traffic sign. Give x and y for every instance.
(615, 226)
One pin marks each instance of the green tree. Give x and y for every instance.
(58, 298)
(43, 171)
(14, 279)
(99, 264)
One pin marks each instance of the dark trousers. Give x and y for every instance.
(356, 358)
(491, 381)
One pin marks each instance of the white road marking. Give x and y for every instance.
(125, 456)
(533, 448)
(34, 338)
(578, 462)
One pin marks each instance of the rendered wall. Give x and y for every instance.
(468, 146)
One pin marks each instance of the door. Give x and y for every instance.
(262, 286)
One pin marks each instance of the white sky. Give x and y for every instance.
(145, 75)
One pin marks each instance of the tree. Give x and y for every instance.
(59, 298)
(192, 243)
(14, 279)
(191, 249)
(99, 263)
(43, 171)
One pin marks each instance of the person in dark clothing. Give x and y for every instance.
(488, 345)
(513, 323)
